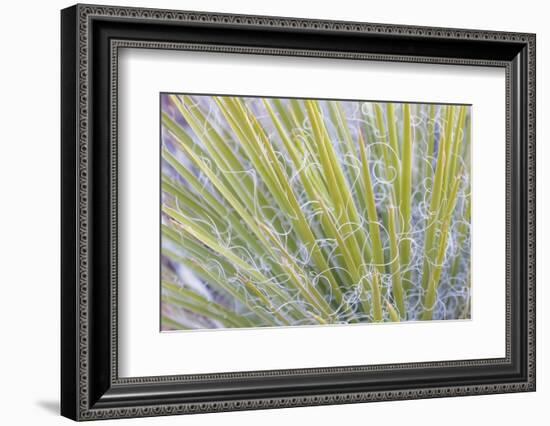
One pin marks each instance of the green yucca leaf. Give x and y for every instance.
(429, 299)
(405, 194)
(457, 142)
(376, 297)
(394, 316)
(395, 262)
(195, 303)
(433, 212)
(276, 292)
(212, 202)
(374, 229)
(169, 322)
(389, 155)
(392, 132)
(342, 201)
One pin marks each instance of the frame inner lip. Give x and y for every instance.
(115, 45)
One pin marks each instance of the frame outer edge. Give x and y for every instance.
(69, 191)
(531, 201)
(79, 341)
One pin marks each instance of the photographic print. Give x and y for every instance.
(280, 212)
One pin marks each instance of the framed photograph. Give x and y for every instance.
(263, 212)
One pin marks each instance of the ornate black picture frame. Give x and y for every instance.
(91, 387)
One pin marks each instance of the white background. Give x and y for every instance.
(141, 344)
(29, 225)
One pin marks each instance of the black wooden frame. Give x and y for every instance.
(91, 37)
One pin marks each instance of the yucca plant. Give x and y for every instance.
(285, 212)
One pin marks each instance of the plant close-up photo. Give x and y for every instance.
(299, 212)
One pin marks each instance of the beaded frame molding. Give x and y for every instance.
(91, 39)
